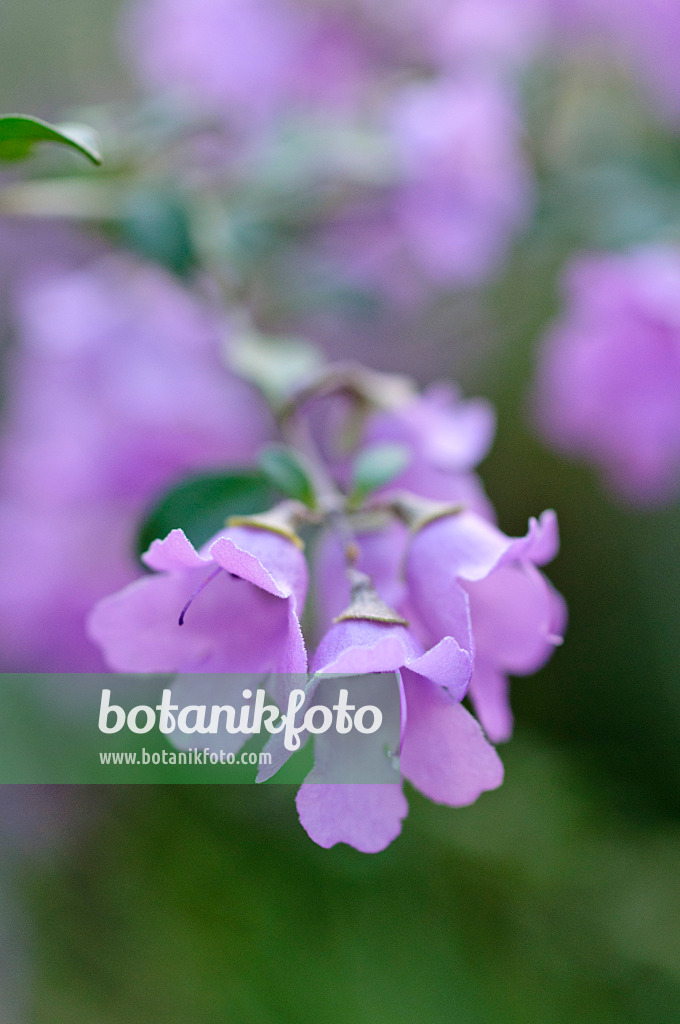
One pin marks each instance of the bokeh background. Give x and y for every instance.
(554, 899)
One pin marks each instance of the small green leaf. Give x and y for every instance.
(201, 504)
(376, 466)
(277, 366)
(19, 133)
(287, 471)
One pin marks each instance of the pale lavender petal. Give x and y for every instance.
(173, 552)
(357, 647)
(446, 664)
(609, 372)
(292, 658)
(445, 754)
(232, 626)
(490, 695)
(439, 601)
(541, 543)
(243, 551)
(517, 618)
(463, 546)
(366, 816)
(442, 429)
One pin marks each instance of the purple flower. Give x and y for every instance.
(444, 753)
(609, 375)
(248, 59)
(116, 390)
(495, 34)
(460, 187)
(55, 565)
(465, 182)
(468, 580)
(447, 438)
(233, 606)
(644, 33)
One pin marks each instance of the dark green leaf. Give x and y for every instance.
(19, 133)
(155, 225)
(286, 471)
(375, 466)
(200, 505)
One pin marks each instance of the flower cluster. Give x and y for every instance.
(426, 588)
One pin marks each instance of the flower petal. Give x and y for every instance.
(447, 664)
(517, 618)
(445, 754)
(366, 816)
(265, 558)
(173, 552)
(490, 696)
(359, 646)
(232, 626)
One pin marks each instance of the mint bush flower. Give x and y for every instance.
(119, 387)
(465, 184)
(608, 386)
(460, 188)
(423, 592)
(443, 750)
(469, 580)
(116, 391)
(248, 60)
(446, 437)
(642, 36)
(231, 606)
(495, 34)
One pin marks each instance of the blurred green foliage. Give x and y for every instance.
(539, 904)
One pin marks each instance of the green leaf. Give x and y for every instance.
(276, 365)
(287, 471)
(201, 504)
(19, 133)
(375, 466)
(154, 224)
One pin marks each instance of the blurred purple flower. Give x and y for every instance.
(56, 561)
(491, 34)
(468, 580)
(249, 60)
(461, 188)
(466, 184)
(609, 374)
(117, 390)
(119, 386)
(447, 437)
(444, 753)
(644, 34)
(232, 606)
